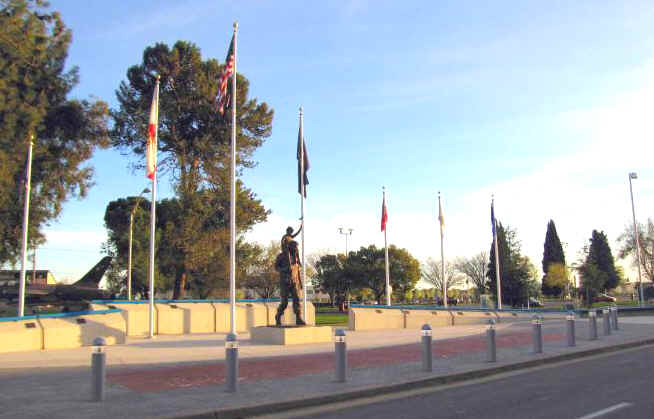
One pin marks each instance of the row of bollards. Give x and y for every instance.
(609, 320)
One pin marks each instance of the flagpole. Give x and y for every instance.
(497, 260)
(232, 207)
(388, 279)
(440, 221)
(304, 268)
(26, 214)
(153, 217)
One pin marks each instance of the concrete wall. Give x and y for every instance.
(256, 314)
(198, 317)
(367, 318)
(223, 317)
(375, 318)
(415, 319)
(460, 317)
(20, 335)
(137, 317)
(170, 319)
(73, 332)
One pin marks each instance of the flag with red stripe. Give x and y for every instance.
(151, 148)
(223, 97)
(384, 217)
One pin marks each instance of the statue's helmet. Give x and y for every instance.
(289, 230)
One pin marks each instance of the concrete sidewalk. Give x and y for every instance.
(179, 376)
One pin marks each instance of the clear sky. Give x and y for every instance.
(546, 105)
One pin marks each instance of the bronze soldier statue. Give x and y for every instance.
(288, 265)
(288, 237)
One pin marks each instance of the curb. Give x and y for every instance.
(236, 413)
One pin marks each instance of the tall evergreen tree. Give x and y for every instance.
(599, 255)
(194, 150)
(34, 89)
(552, 254)
(515, 270)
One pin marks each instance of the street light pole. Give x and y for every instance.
(346, 232)
(129, 258)
(633, 175)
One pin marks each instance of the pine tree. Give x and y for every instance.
(34, 87)
(552, 254)
(194, 143)
(599, 254)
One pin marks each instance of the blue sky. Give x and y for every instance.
(547, 105)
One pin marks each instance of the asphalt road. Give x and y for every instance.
(608, 386)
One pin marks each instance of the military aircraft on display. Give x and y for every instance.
(85, 289)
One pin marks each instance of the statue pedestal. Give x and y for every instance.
(291, 335)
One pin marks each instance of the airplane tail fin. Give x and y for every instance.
(93, 277)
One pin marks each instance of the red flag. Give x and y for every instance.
(151, 149)
(384, 214)
(223, 93)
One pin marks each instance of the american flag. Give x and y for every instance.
(223, 94)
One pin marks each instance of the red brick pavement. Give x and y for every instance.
(152, 380)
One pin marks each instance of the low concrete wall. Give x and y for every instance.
(256, 314)
(223, 317)
(375, 318)
(20, 335)
(137, 317)
(76, 331)
(460, 317)
(170, 319)
(198, 317)
(415, 319)
(513, 316)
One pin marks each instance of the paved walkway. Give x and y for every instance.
(173, 376)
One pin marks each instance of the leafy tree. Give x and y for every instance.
(646, 241)
(556, 280)
(432, 273)
(34, 87)
(209, 268)
(552, 253)
(516, 271)
(330, 278)
(593, 281)
(366, 268)
(116, 219)
(474, 269)
(262, 277)
(194, 147)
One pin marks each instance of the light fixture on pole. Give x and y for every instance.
(633, 175)
(131, 227)
(346, 232)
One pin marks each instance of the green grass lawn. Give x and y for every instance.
(331, 319)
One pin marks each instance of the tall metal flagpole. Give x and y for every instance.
(633, 212)
(26, 214)
(152, 231)
(388, 278)
(304, 268)
(440, 221)
(153, 217)
(497, 260)
(232, 205)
